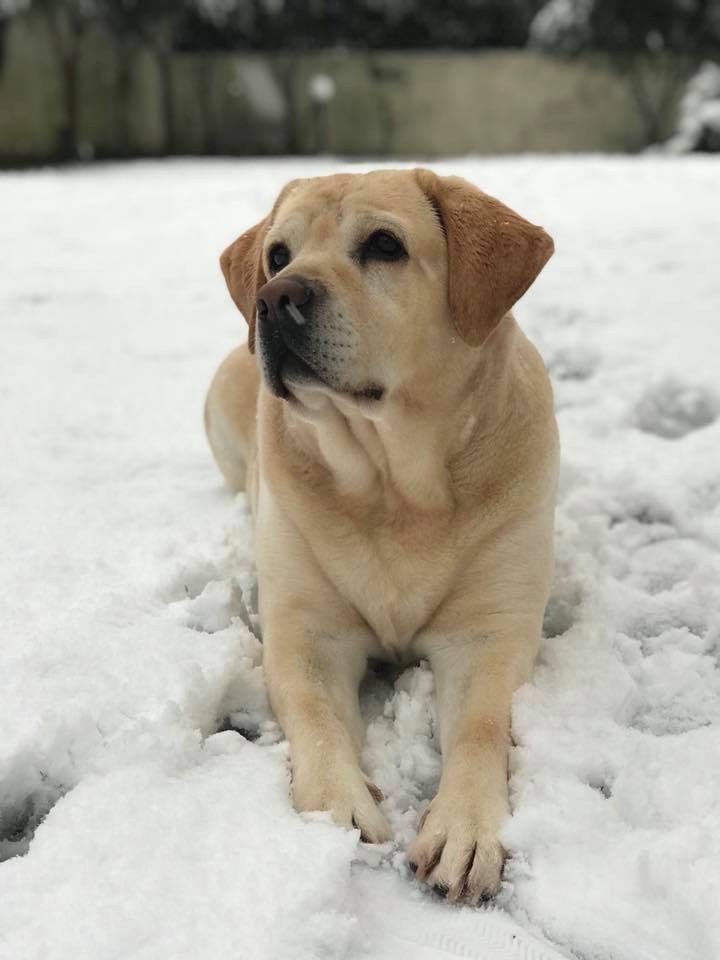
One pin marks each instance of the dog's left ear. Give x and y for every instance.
(493, 254)
(242, 268)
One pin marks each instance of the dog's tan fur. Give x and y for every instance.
(417, 527)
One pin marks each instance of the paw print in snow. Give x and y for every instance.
(673, 409)
(573, 363)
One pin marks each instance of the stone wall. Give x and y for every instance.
(131, 100)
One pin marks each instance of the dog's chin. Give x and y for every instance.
(286, 373)
(296, 373)
(308, 388)
(291, 378)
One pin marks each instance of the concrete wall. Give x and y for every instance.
(32, 108)
(134, 101)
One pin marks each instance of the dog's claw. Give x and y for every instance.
(375, 792)
(456, 856)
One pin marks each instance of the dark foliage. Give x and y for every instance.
(678, 25)
(620, 27)
(611, 25)
(372, 23)
(309, 24)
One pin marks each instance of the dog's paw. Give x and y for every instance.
(457, 852)
(350, 799)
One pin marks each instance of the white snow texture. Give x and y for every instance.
(699, 114)
(144, 807)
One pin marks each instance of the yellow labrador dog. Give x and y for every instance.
(394, 430)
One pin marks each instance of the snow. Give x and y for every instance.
(698, 126)
(321, 88)
(562, 25)
(135, 733)
(139, 861)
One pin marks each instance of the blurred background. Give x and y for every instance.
(95, 79)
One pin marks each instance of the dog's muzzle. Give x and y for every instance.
(284, 313)
(293, 341)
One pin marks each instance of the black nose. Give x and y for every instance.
(284, 297)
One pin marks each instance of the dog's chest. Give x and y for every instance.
(396, 580)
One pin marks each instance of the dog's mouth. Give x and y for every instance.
(293, 371)
(287, 374)
(283, 369)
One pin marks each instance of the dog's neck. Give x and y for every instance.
(407, 454)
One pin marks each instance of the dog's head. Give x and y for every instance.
(355, 281)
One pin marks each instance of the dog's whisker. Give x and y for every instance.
(294, 312)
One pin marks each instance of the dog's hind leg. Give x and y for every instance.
(230, 416)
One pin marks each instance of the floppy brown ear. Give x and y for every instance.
(493, 254)
(242, 268)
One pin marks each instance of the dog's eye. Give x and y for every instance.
(278, 257)
(382, 245)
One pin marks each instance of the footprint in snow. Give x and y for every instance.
(573, 363)
(673, 409)
(20, 817)
(563, 607)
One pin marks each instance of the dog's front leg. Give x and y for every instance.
(457, 849)
(313, 678)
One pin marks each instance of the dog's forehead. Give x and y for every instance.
(346, 195)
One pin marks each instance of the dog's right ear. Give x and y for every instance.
(242, 268)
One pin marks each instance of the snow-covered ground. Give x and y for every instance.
(134, 726)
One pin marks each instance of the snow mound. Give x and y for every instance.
(135, 858)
